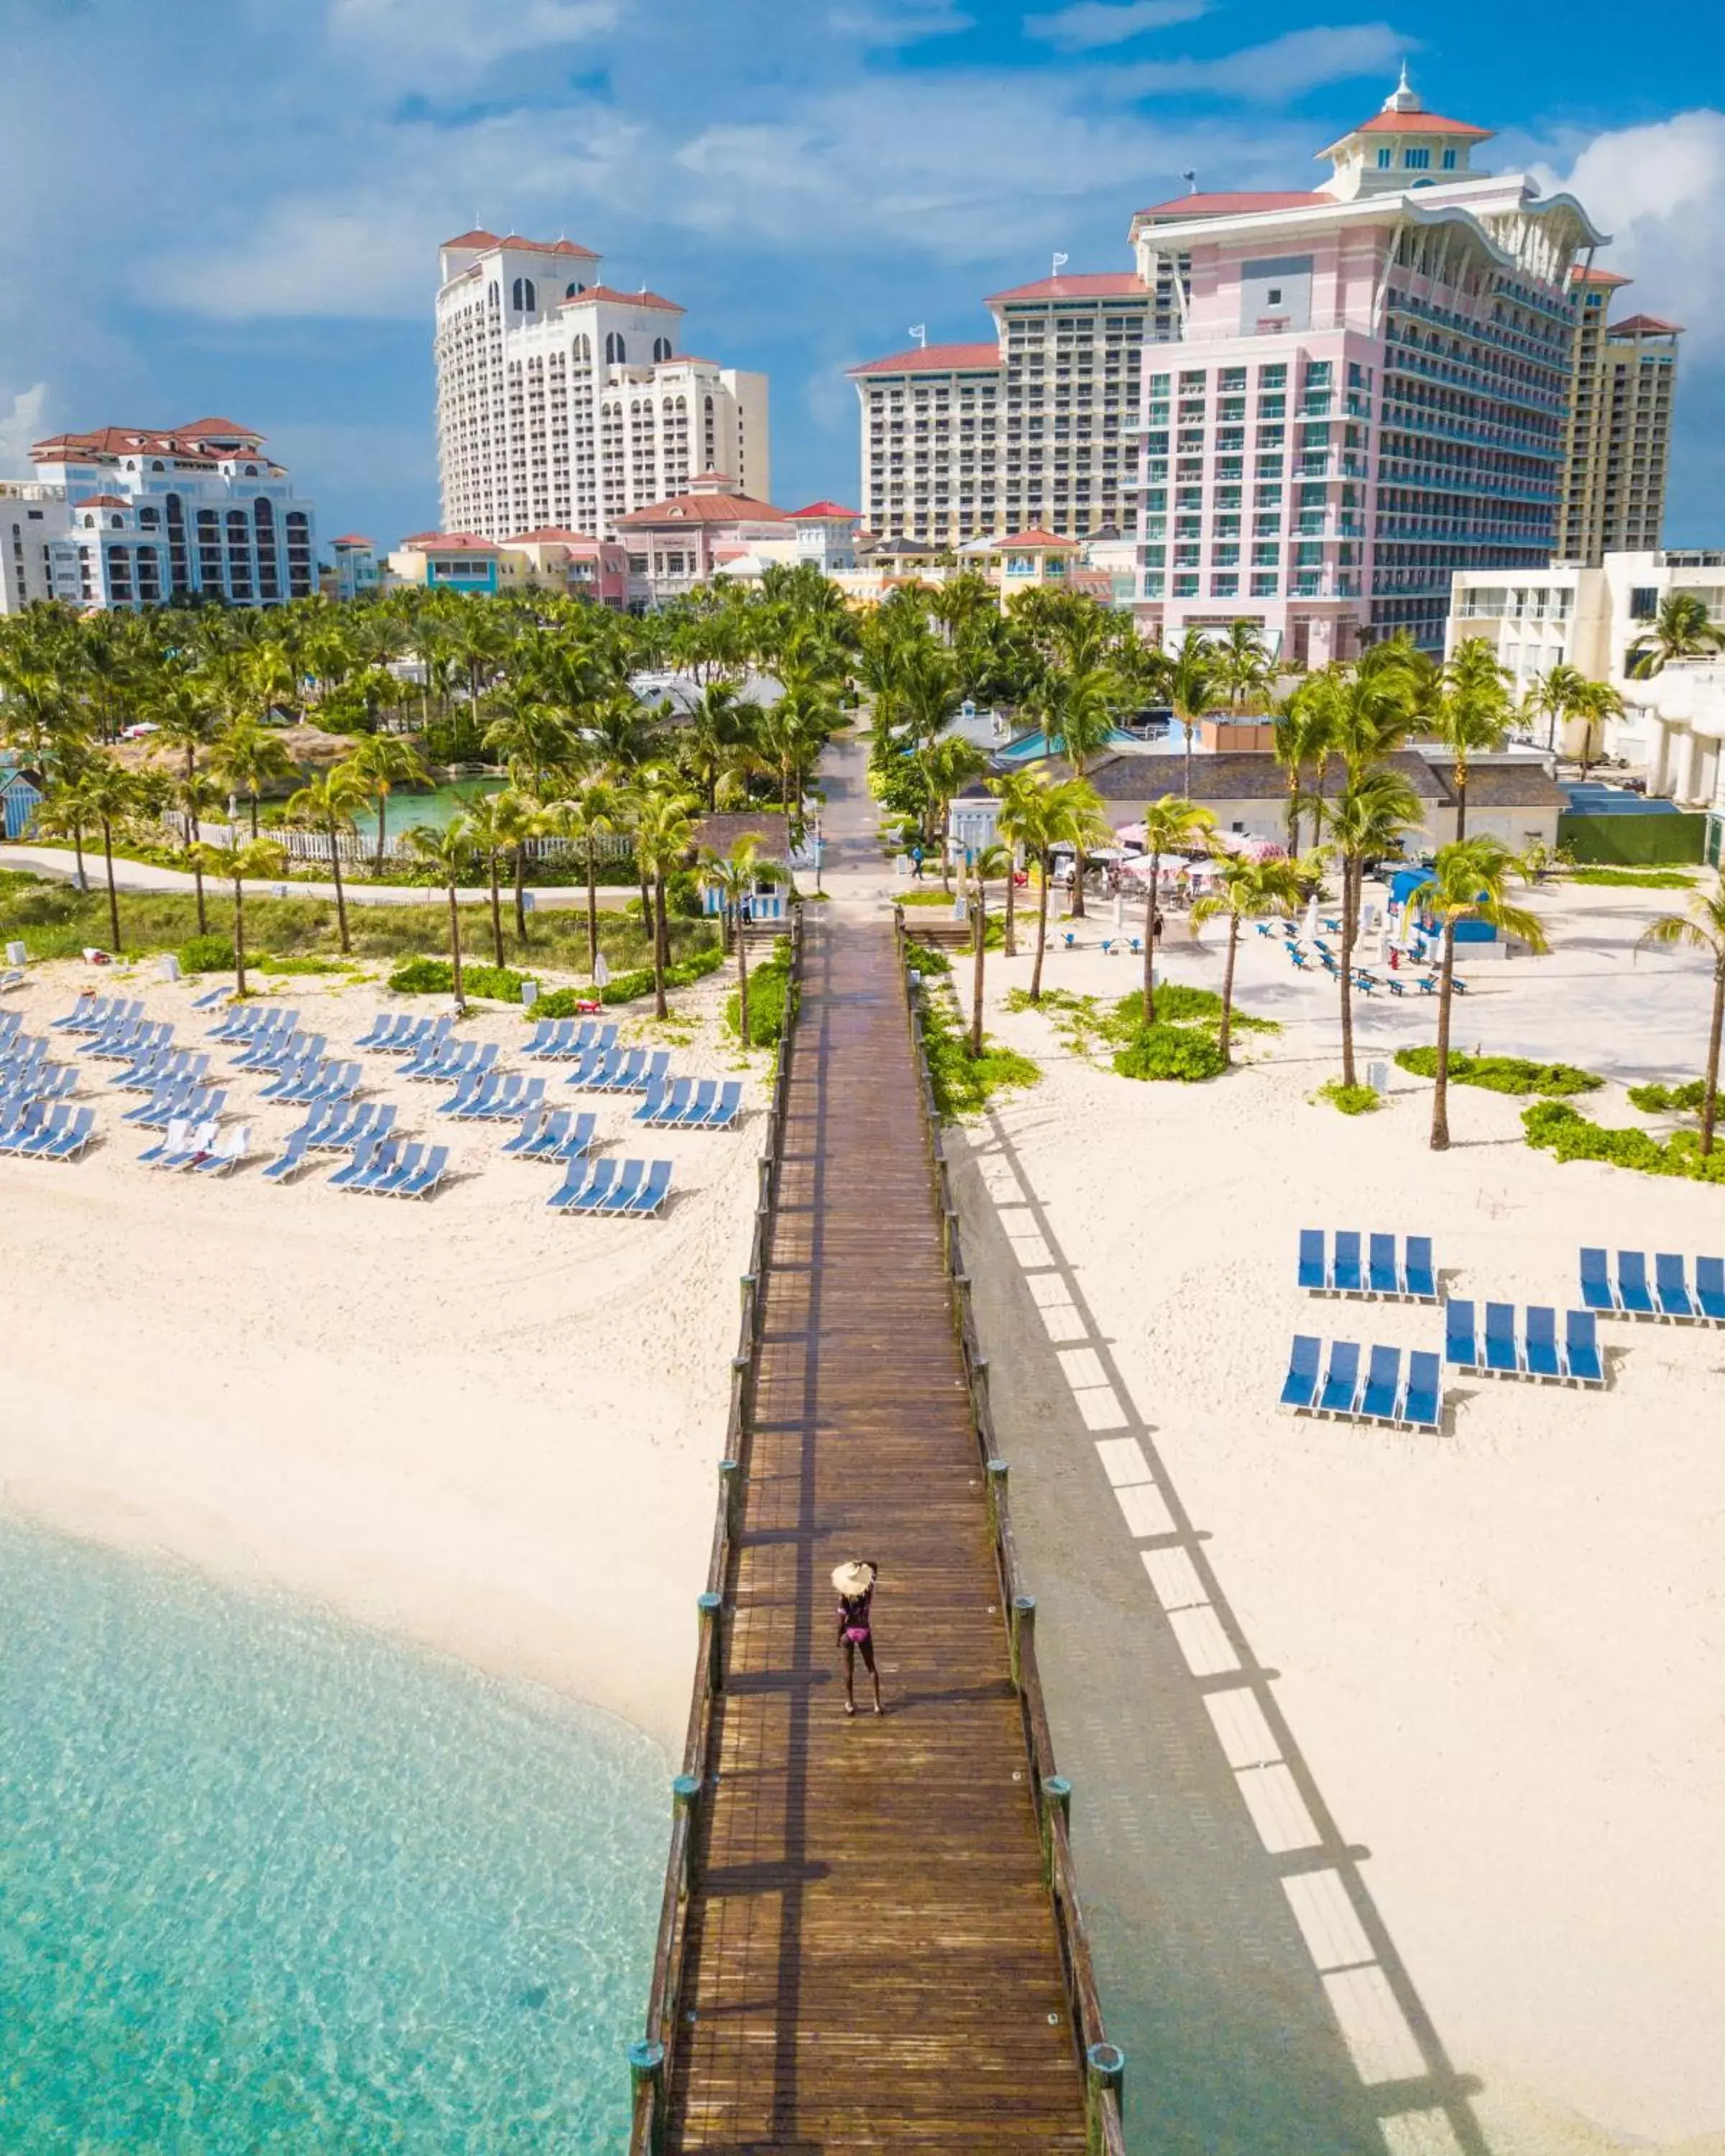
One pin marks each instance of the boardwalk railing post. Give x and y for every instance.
(730, 1497)
(979, 1386)
(1105, 2076)
(750, 1288)
(742, 1370)
(646, 2071)
(1056, 1797)
(997, 1472)
(711, 1645)
(1023, 1617)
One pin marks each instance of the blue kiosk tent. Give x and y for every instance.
(1405, 885)
(20, 798)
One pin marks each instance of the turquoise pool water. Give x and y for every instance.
(401, 811)
(269, 1885)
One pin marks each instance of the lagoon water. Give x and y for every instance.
(268, 1884)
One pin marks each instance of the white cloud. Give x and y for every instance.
(885, 24)
(1091, 24)
(1657, 190)
(19, 426)
(1284, 68)
(430, 44)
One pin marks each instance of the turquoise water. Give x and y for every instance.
(401, 811)
(269, 1885)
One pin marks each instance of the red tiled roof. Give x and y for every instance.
(350, 539)
(102, 502)
(195, 440)
(1087, 285)
(934, 359)
(1036, 536)
(448, 542)
(622, 298)
(1420, 123)
(707, 509)
(487, 240)
(819, 510)
(1229, 205)
(1580, 276)
(476, 238)
(217, 429)
(552, 534)
(1655, 325)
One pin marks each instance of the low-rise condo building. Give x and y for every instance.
(562, 402)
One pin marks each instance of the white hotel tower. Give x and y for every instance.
(565, 404)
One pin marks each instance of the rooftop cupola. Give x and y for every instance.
(1401, 146)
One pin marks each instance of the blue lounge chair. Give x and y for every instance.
(82, 1009)
(1347, 1278)
(291, 1162)
(1428, 984)
(43, 1134)
(618, 1197)
(1502, 1355)
(723, 1114)
(583, 1187)
(650, 1198)
(1633, 1297)
(195, 1144)
(1582, 1359)
(210, 999)
(698, 1107)
(179, 1130)
(656, 1073)
(21, 1124)
(521, 1146)
(548, 1036)
(1314, 1272)
(69, 1139)
(1597, 1293)
(1539, 1342)
(407, 1164)
(226, 1154)
(1461, 1347)
(425, 1179)
(379, 1030)
(1710, 1288)
(1672, 1287)
(663, 1102)
(364, 1158)
(1418, 1280)
(618, 1073)
(578, 1141)
(1382, 1275)
(1382, 1396)
(1340, 1380)
(1422, 1404)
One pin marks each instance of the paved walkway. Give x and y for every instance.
(872, 1959)
(145, 876)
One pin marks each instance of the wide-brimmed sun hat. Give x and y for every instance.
(853, 1577)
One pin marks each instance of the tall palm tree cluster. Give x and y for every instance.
(537, 686)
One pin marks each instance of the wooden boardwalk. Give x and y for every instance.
(872, 1961)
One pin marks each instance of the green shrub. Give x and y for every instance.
(1556, 1128)
(926, 898)
(772, 999)
(1178, 1004)
(964, 1084)
(436, 977)
(1683, 1100)
(328, 962)
(1501, 1074)
(626, 988)
(207, 954)
(1351, 1100)
(1634, 879)
(925, 959)
(1184, 1052)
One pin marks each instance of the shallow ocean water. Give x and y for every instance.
(270, 1884)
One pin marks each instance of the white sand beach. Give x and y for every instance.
(478, 1425)
(1502, 1650)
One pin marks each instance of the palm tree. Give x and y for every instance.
(327, 803)
(1019, 794)
(1703, 928)
(385, 761)
(1552, 697)
(732, 875)
(239, 861)
(447, 849)
(947, 766)
(663, 831)
(1593, 702)
(1682, 630)
(1368, 818)
(247, 757)
(199, 797)
(720, 724)
(985, 862)
(1243, 664)
(532, 739)
(1077, 709)
(1468, 882)
(1248, 888)
(1303, 735)
(1192, 684)
(109, 794)
(522, 818)
(596, 810)
(1473, 712)
(489, 831)
(1058, 812)
(1172, 825)
(185, 721)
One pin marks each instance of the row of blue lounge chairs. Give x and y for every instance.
(403, 1033)
(37, 1132)
(93, 1014)
(620, 1071)
(318, 1081)
(685, 1103)
(1408, 1277)
(632, 1187)
(185, 1100)
(1670, 1297)
(1535, 1352)
(567, 1040)
(383, 1168)
(491, 1097)
(162, 1066)
(1384, 1396)
(552, 1134)
(200, 1149)
(249, 1021)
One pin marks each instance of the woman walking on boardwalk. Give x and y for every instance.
(855, 1579)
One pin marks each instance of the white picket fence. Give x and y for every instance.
(357, 849)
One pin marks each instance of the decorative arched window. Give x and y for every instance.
(573, 291)
(661, 348)
(616, 350)
(156, 464)
(524, 299)
(493, 297)
(581, 349)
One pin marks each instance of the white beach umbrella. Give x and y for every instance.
(1309, 930)
(601, 971)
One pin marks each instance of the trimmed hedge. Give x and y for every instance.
(1555, 1127)
(436, 977)
(1634, 839)
(772, 999)
(627, 987)
(1684, 1099)
(1501, 1074)
(207, 954)
(1182, 1052)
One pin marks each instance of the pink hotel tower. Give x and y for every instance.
(1366, 388)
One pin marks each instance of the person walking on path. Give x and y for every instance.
(855, 1579)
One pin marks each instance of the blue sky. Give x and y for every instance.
(233, 206)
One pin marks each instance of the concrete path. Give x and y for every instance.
(145, 876)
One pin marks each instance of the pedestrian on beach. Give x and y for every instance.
(917, 863)
(855, 1580)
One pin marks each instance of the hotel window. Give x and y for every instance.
(1417, 161)
(1153, 584)
(1385, 158)
(1231, 378)
(1185, 558)
(1273, 378)
(1265, 554)
(1264, 586)
(1449, 161)
(1225, 557)
(1224, 587)
(1185, 587)
(1193, 382)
